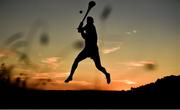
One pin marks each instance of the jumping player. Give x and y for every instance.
(88, 32)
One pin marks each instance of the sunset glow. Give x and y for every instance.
(138, 42)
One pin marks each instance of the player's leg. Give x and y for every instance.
(79, 58)
(97, 61)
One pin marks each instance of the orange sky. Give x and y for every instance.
(138, 42)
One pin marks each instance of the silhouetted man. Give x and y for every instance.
(88, 32)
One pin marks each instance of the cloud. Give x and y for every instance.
(49, 80)
(53, 81)
(57, 78)
(128, 33)
(126, 81)
(138, 63)
(110, 50)
(52, 62)
(58, 84)
(73, 85)
(54, 75)
(134, 31)
(6, 53)
(148, 65)
(133, 64)
(118, 84)
(75, 82)
(148, 62)
(131, 32)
